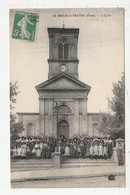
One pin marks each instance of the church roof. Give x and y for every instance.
(63, 82)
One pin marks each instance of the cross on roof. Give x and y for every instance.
(63, 25)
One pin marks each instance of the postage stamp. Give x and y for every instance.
(24, 27)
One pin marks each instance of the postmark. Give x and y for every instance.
(24, 27)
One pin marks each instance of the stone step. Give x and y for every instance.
(44, 167)
(31, 163)
(30, 169)
(84, 165)
(27, 165)
(31, 160)
(87, 162)
(41, 164)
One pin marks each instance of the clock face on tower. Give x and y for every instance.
(63, 68)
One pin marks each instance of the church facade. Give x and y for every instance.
(63, 97)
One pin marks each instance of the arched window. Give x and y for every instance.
(60, 50)
(30, 130)
(63, 50)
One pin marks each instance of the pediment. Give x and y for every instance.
(62, 82)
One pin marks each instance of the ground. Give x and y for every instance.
(70, 183)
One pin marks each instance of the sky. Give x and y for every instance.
(100, 54)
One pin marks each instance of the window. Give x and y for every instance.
(63, 50)
(96, 133)
(30, 130)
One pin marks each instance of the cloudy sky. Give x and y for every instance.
(100, 54)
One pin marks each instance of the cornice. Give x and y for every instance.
(63, 61)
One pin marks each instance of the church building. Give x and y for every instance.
(63, 97)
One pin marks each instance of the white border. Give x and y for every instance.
(4, 82)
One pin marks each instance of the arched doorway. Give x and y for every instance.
(63, 129)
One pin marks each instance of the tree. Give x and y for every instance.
(15, 127)
(106, 122)
(117, 103)
(114, 123)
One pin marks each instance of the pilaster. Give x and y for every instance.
(41, 113)
(76, 127)
(50, 117)
(83, 116)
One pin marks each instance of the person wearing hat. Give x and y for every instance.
(33, 154)
(53, 145)
(28, 151)
(78, 149)
(23, 150)
(100, 148)
(71, 148)
(19, 150)
(23, 139)
(105, 148)
(83, 149)
(110, 147)
(119, 154)
(15, 150)
(59, 144)
(96, 149)
(44, 150)
(36, 144)
(26, 140)
(19, 140)
(91, 149)
(87, 144)
(30, 142)
(41, 144)
(67, 150)
(48, 150)
(75, 153)
(38, 152)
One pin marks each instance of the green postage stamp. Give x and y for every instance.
(25, 25)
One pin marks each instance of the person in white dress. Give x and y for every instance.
(96, 149)
(67, 150)
(23, 151)
(19, 150)
(100, 147)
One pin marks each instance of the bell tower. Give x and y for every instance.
(63, 52)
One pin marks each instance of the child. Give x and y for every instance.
(28, 151)
(75, 153)
(83, 149)
(100, 147)
(91, 150)
(44, 151)
(38, 152)
(23, 150)
(96, 149)
(15, 151)
(67, 150)
(33, 152)
(36, 145)
(19, 150)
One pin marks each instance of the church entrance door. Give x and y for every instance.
(63, 129)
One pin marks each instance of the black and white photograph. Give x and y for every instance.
(67, 98)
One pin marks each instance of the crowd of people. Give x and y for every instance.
(43, 148)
